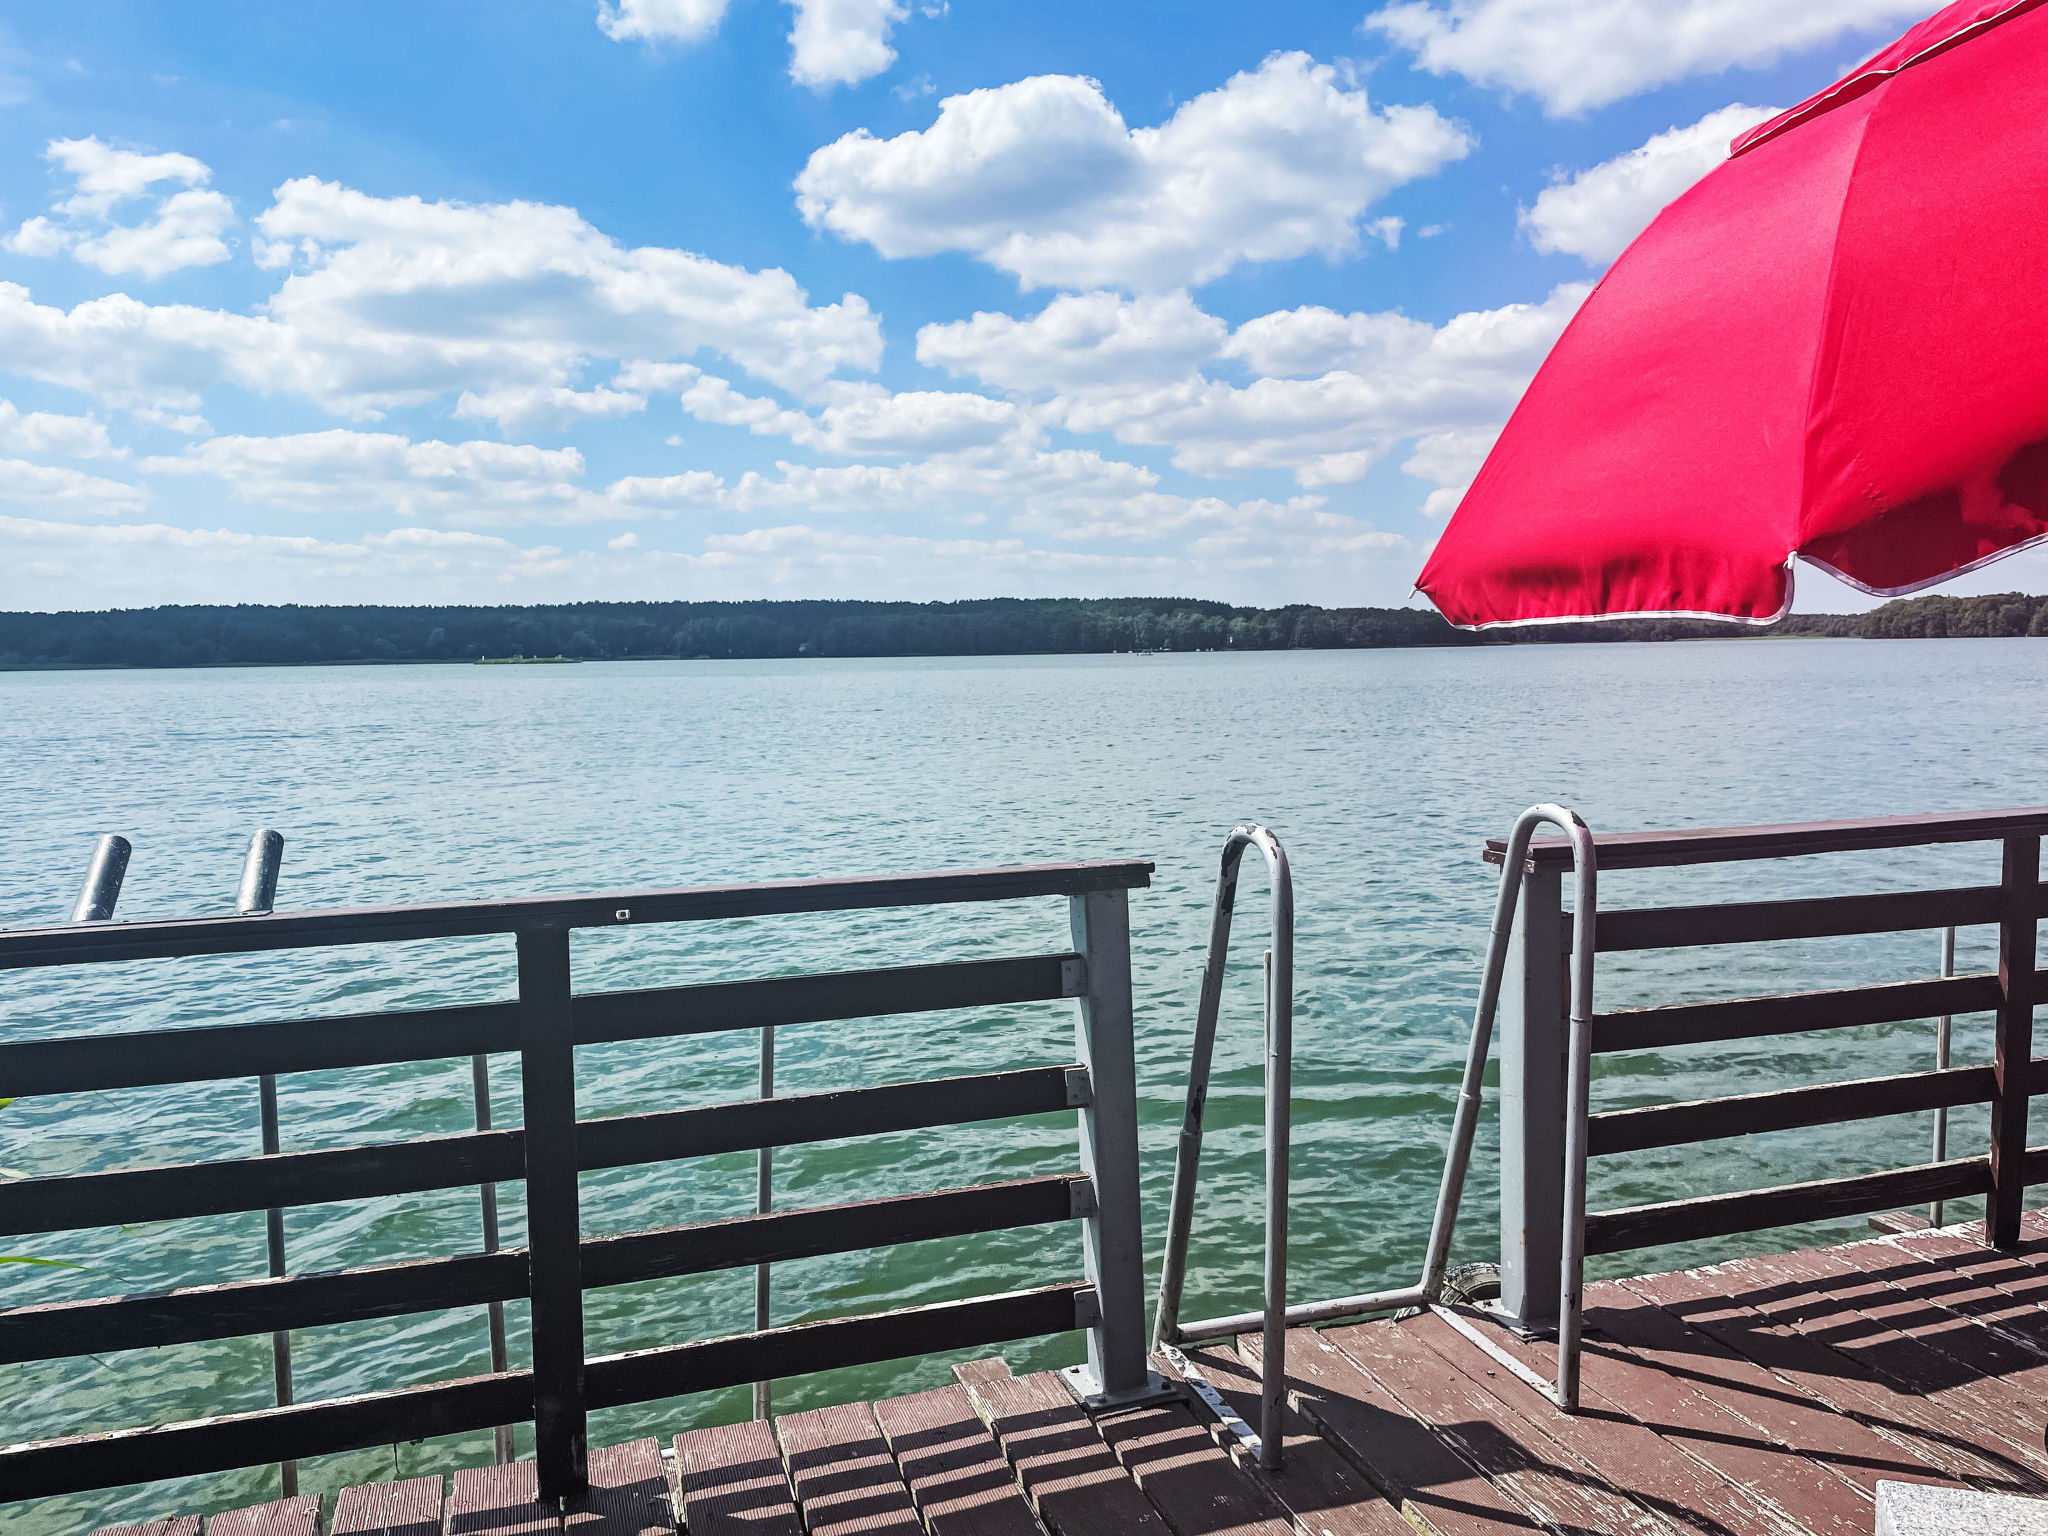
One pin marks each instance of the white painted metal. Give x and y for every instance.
(1214, 1401)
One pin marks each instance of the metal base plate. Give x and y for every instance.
(1080, 1381)
(1496, 1313)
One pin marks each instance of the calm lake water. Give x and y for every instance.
(1382, 770)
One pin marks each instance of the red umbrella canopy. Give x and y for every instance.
(1834, 346)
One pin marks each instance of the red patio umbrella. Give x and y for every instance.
(1834, 346)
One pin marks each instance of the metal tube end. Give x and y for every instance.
(258, 892)
(103, 877)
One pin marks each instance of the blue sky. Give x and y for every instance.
(878, 298)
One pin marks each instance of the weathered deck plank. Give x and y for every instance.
(410, 1508)
(500, 1501)
(1188, 1478)
(1731, 1414)
(1901, 1436)
(1966, 1370)
(628, 1494)
(1514, 1453)
(731, 1482)
(967, 1372)
(1979, 1283)
(170, 1525)
(956, 1473)
(1632, 1458)
(1071, 1477)
(1897, 1385)
(283, 1517)
(1322, 1490)
(845, 1479)
(1426, 1480)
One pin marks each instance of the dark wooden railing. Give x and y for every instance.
(543, 1027)
(2015, 905)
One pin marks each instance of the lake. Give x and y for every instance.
(1383, 771)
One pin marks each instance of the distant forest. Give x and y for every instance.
(245, 634)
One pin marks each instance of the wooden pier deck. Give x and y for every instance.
(1763, 1397)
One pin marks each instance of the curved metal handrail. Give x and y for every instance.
(1428, 1291)
(1572, 1262)
(1279, 1071)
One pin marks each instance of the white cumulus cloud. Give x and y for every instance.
(1573, 55)
(56, 490)
(862, 418)
(342, 471)
(537, 407)
(679, 21)
(404, 298)
(1331, 393)
(46, 432)
(1078, 341)
(184, 229)
(392, 302)
(1043, 179)
(1595, 214)
(842, 42)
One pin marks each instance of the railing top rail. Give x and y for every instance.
(1714, 845)
(21, 948)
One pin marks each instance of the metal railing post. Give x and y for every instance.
(764, 1201)
(2019, 884)
(1578, 1092)
(1279, 1058)
(547, 1072)
(257, 895)
(103, 877)
(487, 1201)
(1532, 1098)
(1112, 1238)
(1943, 1035)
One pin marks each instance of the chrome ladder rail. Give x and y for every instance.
(1428, 1291)
(1269, 1442)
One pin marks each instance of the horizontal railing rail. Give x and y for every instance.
(479, 1402)
(144, 1059)
(1807, 917)
(54, 1330)
(1792, 1013)
(1722, 845)
(179, 937)
(544, 1026)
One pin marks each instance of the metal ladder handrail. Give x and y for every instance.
(1564, 1392)
(1279, 1045)
(1428, 1291)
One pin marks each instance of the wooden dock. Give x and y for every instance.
(1763, 1397)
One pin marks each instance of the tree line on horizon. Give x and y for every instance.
(243, 634)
